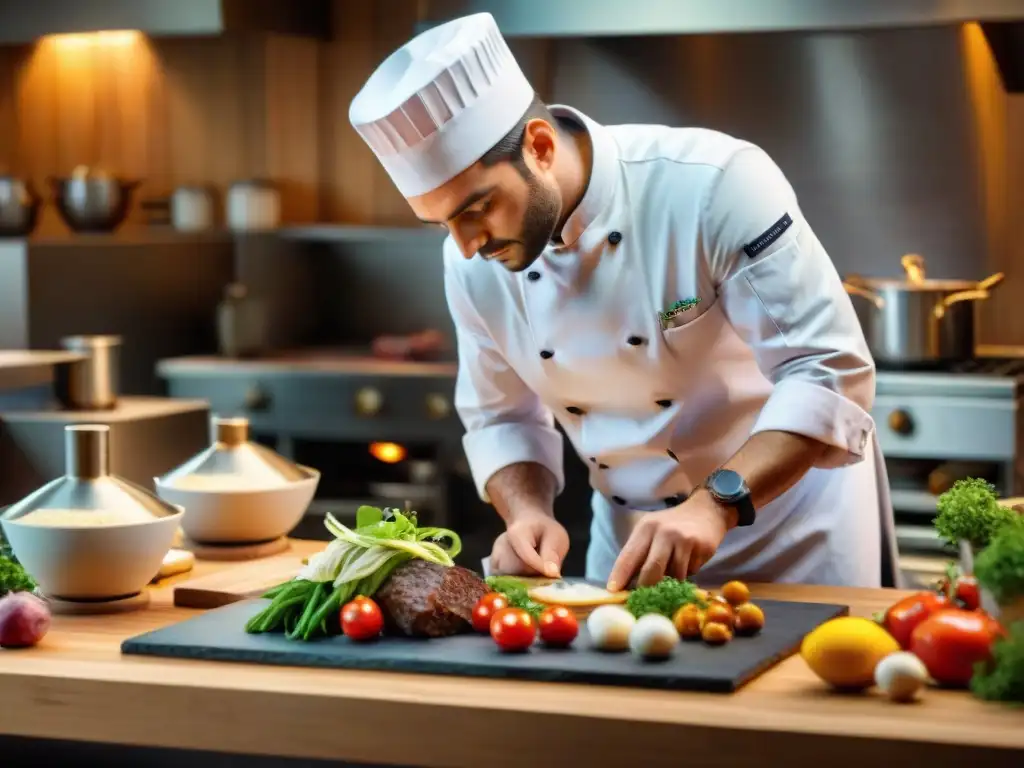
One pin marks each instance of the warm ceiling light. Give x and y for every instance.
(118, 38)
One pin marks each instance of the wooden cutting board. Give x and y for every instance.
(240, 581)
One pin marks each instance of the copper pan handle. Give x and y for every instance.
(864, 293)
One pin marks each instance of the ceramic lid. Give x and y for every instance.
(88, 486)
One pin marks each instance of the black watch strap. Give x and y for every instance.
(729, 489)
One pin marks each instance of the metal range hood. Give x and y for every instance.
(27, 20)
(616, 18)
(1001, 20)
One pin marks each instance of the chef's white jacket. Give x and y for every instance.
(762, 337)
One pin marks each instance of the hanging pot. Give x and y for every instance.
(918, 321)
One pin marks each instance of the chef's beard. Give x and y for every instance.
(543, 210)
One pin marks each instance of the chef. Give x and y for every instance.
(658, 292)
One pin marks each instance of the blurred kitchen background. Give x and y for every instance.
(190, 226)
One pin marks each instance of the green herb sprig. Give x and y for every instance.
(13, 577)
(666, 597)
(516, 592)
(970, 511)
(1000, 566)
(1002, 678)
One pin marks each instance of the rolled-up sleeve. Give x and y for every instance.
(505, 421)
(782, 294)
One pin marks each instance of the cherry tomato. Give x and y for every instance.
(513, 629)
(361, 619)
(902, 618)
(558, 626)
(951, 641)
(967, 593)
(488, 605)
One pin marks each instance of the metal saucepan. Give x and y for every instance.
(93, 201)
(918, 321)
(19, 207)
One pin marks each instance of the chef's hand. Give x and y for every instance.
(676, 542)
(533, 544)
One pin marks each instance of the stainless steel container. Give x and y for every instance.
(92, 383)
(192, 209)
(918, 321)
(19, 207)
(253, 205)
(92, 200)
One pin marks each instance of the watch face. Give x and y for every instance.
(727, 484)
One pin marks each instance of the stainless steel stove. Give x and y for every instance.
(938, 425)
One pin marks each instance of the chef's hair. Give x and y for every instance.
(510, 148)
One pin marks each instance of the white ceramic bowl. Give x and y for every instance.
(101, 562)
(241, 516)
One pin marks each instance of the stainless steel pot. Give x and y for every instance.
(918, 321)
(93, 201)
(19, 207)
(93, 383)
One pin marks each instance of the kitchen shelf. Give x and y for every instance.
(128, 237)
(908, 500)
(921, 539)
(342, 233)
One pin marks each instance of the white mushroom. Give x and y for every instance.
(901, 676)
(609, 627)
(653, 636)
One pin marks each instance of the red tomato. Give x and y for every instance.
(494, 597)
(951, 641)
(967, 593)
(902, 618)
(361, 619)
(558, 626)
(513, 629)
(488, 605)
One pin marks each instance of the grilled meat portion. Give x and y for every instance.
(424, 599)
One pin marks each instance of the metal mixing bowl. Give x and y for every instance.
(19, 207)
(90, 202)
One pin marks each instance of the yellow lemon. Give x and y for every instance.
(845, 651)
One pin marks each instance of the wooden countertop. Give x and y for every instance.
(76, 685)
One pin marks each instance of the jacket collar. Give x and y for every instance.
(584, 222)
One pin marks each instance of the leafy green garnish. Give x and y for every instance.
(1000, 566)
(970, 511)
(516, 592)
(14, 578)
(666, 597)
(5, 548)
(1002, 678)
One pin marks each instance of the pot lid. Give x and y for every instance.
(930, 285)
(88, 486)
(233, 462)
(915, 280)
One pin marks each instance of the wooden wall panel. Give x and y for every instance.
(167, 112)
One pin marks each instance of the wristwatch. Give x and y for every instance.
(730, 490)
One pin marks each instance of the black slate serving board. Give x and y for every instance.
(219, 635)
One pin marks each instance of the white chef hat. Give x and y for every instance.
(440, 102)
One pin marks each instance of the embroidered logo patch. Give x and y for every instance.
(669, 316)
(769, 236)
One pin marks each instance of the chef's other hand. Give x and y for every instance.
(534, 544)
(676, 542)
